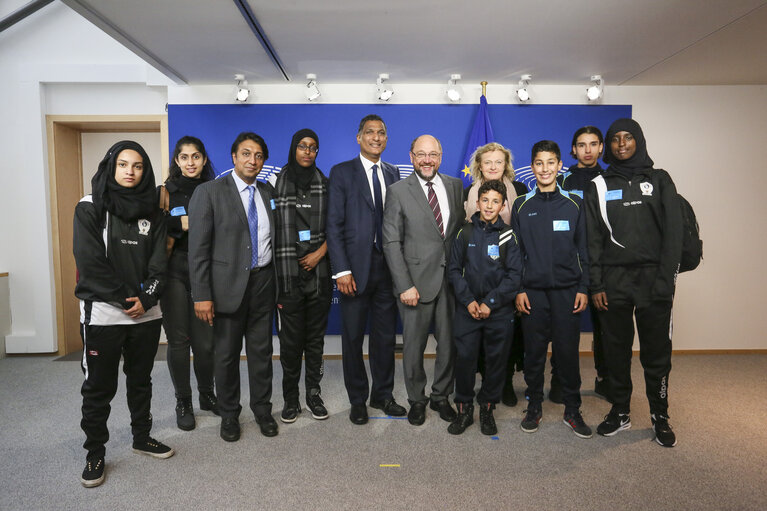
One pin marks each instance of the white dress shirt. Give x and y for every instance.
(264, 231)
(441, 191)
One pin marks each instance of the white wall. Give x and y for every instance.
(691, 131)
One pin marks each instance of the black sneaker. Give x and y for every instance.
(555, 392)
(463, 420)
(209, 402)
(290, 412)
(152, 447)
(613, 423)
(486, 419)
(185, 414)
(577, 424)
(93, 473)
(530, 422)
(601, 387)
(316, 405)
(664, 435)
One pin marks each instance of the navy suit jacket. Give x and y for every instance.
(351, 218)
(219, 242)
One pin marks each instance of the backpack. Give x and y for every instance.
(692, 245)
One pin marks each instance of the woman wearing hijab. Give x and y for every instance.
(189, 168)
(635, 244)
(494, 162)
(119, 248)
(303, 273)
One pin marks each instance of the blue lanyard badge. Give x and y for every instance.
(304, 235)
(178, 211)
(614, 195)
(493, 251)
(271, 203)
(561, 225)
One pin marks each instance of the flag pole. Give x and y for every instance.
(484, 87)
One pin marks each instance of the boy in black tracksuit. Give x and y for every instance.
(551, 226)
(485, 269)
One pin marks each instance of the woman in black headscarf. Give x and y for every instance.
(119, 248)
(303, 273)
(635, 244)
(189, 168)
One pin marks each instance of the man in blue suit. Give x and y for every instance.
(355, 241)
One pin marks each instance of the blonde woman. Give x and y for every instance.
(492, 161)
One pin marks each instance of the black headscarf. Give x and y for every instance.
(639, 161)
(126, 203)
(302, 176)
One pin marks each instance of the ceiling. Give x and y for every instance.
(628, 42)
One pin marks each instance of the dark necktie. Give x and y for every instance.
(378, 203)
(434, 203)
(253, 226)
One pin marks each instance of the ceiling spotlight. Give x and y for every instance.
(454, 91)
(523, 94)
(312, 91)
(594, 92)
(383, 93)
(241, 86)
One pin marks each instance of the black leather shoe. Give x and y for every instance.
(446, 411)
(359, 414)
(389, 407)
(417, 414)
(268, 425)
(230, 429)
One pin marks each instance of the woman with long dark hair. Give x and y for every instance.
(119, 248)
(190, 167)
(303, 273)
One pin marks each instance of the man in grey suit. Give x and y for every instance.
(233, 281)
(422, 217)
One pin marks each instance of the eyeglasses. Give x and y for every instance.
(311, 148)
(498, 163)
(420, 155)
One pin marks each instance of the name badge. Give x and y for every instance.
(614, 195)
(561, 225)
(304, 235)
(579, 193)
(493, 251)
(178, 211)
(271, 203)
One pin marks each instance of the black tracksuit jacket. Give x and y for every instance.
(577, 179)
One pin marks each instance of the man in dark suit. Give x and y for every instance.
(233, 281)
(356, 193)
(423, 215)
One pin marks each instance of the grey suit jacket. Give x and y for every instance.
(219, 243)
(415, 251)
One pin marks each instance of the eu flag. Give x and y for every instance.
(481, 134)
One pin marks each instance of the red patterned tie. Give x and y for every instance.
(434, 203)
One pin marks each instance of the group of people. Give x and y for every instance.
(222, 255)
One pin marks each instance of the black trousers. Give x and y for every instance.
(629, 295)
(302, 318)
(184, 331)
(551, 318)
(377, 306)
(253, 321)
(597, 346)
(102, 348)
(491, 336)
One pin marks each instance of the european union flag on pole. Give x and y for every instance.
(481, 134)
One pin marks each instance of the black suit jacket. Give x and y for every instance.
(219, 242)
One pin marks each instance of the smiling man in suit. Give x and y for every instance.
(233, 280)
(356, 197)
(423, 215)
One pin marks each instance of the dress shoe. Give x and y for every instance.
(230, 429)
(446, 411)
(417, 414)
(268, 425)
(359, 414)
(389, 407)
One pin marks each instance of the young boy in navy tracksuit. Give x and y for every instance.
(485, 270)
(551, 229)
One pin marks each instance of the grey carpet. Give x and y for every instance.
(718, 407)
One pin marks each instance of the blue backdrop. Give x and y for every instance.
(517, 127)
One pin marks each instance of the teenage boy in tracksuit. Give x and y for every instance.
(551, 228)
(485, 270)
